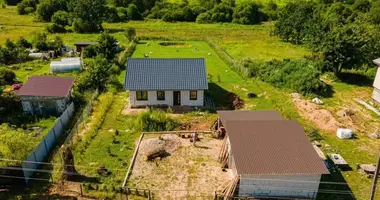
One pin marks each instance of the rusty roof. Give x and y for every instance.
(272, 147)
(249, 115)
(47, 86)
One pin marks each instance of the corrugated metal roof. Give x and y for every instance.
(50, 86)
(166, 74)
(249, 115)
(272, 147)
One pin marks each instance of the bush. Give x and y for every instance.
(112, 15)
(22, 42)
(204, 18)
(133, 12)
(26, 7)
(54, 28)
(47, 8)
(61, 18)
(299, 75)
(7, 76)
(155, 120)
(247, 13)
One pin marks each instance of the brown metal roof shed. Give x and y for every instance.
(46, 86)
(261, 115)
(278, 147)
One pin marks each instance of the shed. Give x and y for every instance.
(166, 81)
(81, 45)
(46, 95)
(272, 156)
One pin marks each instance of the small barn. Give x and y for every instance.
(166, 81)
(66, 65)
(46, 95)
(376, 84)
(270, 156)
(80, 46)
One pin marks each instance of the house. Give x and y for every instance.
(376, 84)
(272, 156)
(46, 95)
(166, 82)
(80, 46)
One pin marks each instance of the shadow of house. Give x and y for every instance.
(334, 187)
(223, 99)
(355, 79)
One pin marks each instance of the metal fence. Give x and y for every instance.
(81, 121)
(46, 145)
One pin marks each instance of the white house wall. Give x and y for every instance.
(297, 186)
(376, 95)
(152, 99)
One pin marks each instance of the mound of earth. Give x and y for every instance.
(168, 142)
(321, 117)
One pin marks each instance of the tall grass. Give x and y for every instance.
(155, 120)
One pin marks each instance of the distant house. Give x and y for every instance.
(166, 82)
(46, 95)
(376, 83)
(272, 156)
(80, 46)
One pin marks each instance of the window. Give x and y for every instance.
(193, 95)
(160, 95)
(142, 95)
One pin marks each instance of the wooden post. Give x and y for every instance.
(81, 190)
(372, 197)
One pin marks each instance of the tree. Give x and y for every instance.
(47, 8)
(133, 12)
(374, 12)
(88, 15)
(131, 34)
(107, 46)
(247, 13)
(40, 42)
(60, 19)
(204, 18)
(98, 73)
(26, 7)
(222, 13)
(361, 5)
(22, 42)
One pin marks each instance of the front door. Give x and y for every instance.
(177, 98)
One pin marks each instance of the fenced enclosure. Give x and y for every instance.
(31, 163)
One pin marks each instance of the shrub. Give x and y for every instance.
(7, 76)
(247, 13)
(155, 120)
(47, 8)
(22, 42)
(26, 7)
(299, 75)
(133, 12)
(111, 15)
(204, 18)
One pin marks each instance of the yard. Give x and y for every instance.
(189, 172)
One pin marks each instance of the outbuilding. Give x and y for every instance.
(46, 95)
(376, 84)
(166, 81)
(80, 46)
(271, 156)
(66, 65)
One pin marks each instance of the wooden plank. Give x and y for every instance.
(319, 152)
(132, 161)
(178, 132)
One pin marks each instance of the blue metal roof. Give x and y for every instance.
(166, 74)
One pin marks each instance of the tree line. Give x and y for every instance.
(88, 15)
(345, 33)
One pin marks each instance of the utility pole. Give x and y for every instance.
(375, 179)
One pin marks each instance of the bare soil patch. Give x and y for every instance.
(321, 117)
(189, 172)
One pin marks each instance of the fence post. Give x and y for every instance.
(81, 190)
(46, 148)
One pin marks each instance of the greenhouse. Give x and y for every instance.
(66, 65)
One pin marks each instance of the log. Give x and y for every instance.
(154, 154)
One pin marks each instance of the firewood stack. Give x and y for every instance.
(230, 188)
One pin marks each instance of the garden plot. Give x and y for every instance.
(184, 171)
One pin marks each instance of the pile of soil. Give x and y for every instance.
(321, 117)
(168, 142)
